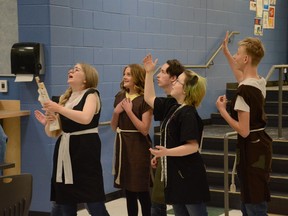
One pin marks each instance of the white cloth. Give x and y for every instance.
(240, 103)
(75, 98)
(64, 160)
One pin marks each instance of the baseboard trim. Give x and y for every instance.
(115, 195)
(109, 197)
(36, 213)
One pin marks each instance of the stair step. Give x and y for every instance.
(280, 147)
(278, 204)
(220, 171)
(214, 159)
(217, 132)
(271, 107)
(278, 184)
(271, 94)
(212, 152)
(221, 189)
(272, 120)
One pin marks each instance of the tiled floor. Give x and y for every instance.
(118, 208)
(115, 208)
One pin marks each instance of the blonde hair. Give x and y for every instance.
(254, 48)
(91, 78)
(138, 76)
(195, 88)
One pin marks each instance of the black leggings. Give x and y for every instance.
(132, 205)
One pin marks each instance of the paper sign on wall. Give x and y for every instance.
(265, 15)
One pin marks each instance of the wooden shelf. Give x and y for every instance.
(12, 114)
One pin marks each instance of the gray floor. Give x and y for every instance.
(118, 208)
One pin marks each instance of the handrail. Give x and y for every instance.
(210, 61)
(105, 123)
(226, 176)
(280, 93)
(272, 69)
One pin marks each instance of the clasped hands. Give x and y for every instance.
(125, 105)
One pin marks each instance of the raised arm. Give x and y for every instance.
(237, 73)
(149, 90)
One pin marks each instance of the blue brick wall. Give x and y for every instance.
(113, 33)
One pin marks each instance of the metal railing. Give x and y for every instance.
(226, 171)
(106, 123)
(210, 61)
(282, 69)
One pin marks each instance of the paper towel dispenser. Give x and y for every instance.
(27, 58)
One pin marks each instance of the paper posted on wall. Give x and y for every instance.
(43, 97)
(258, 26)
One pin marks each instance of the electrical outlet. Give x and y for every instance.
(3, 86)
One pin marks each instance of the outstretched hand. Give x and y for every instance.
(40, 117)
(149, 64)
(225, 43)
(44, 118)
(159, 151)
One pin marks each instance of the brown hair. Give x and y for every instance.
(175, 68)
(138, 76)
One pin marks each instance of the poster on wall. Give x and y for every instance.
(265, 19)
(271, 17)
(259, 8)
(265, 4)
(258, 27)
(265, 15)
(252, 5)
